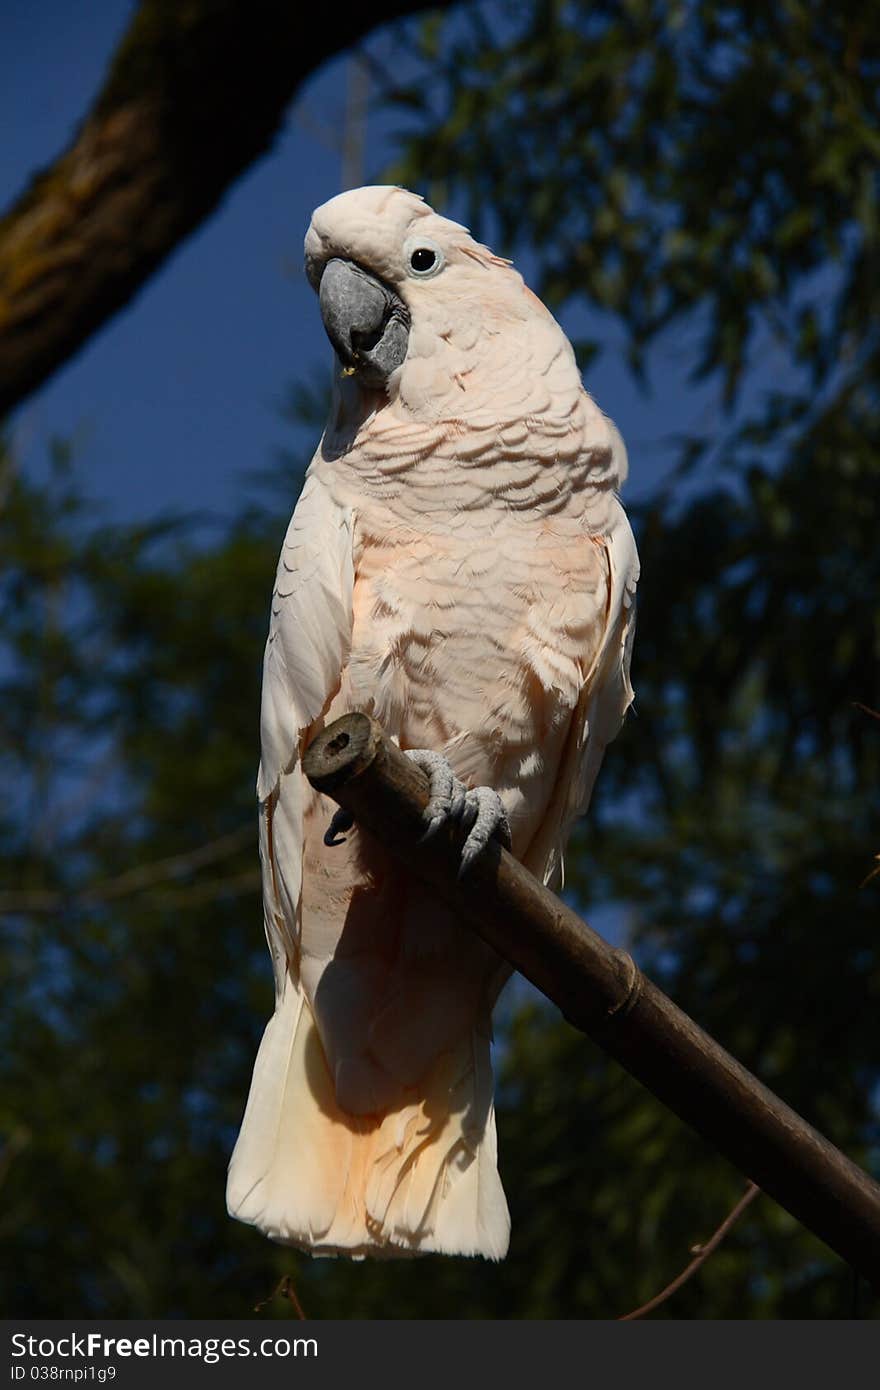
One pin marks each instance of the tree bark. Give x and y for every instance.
(195, 93)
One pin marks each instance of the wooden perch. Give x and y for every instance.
(603, 993)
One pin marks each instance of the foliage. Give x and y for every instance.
(132, 1000)
(673, 163)
(667, 156)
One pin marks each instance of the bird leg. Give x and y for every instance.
(479, 811)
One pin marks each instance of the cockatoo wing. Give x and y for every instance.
(306, 651)
(605, 697)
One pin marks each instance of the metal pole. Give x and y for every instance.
(603, 993)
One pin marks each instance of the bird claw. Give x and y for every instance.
(479, 811)
(484, 817)
(447, 794)
(341, 822)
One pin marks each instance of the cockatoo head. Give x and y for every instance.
(396, 280)
(429, 322)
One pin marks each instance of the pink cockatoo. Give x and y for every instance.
(459, 566)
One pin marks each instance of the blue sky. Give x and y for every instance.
(177, 399)
(178, 395)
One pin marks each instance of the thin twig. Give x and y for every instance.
(389, 89)
(873, 874)
(703, 1253)
(134, 880)
(284, 1289)
(866, 709)
(210, 890)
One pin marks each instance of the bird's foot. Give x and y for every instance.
(479, 811)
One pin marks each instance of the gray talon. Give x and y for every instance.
(459, 798)
(442, 788)
(434, 825)
(341, 822)
(479, 812)
(485, 817)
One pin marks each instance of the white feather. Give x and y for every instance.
(605, 697)
(306, 650)
(309, 629)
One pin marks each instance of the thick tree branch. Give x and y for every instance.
(601, 991)
(195, 93)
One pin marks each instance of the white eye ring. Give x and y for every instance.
(420, 249)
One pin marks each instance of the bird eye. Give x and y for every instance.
(423, 258)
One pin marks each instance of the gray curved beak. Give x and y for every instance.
(367, 323)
